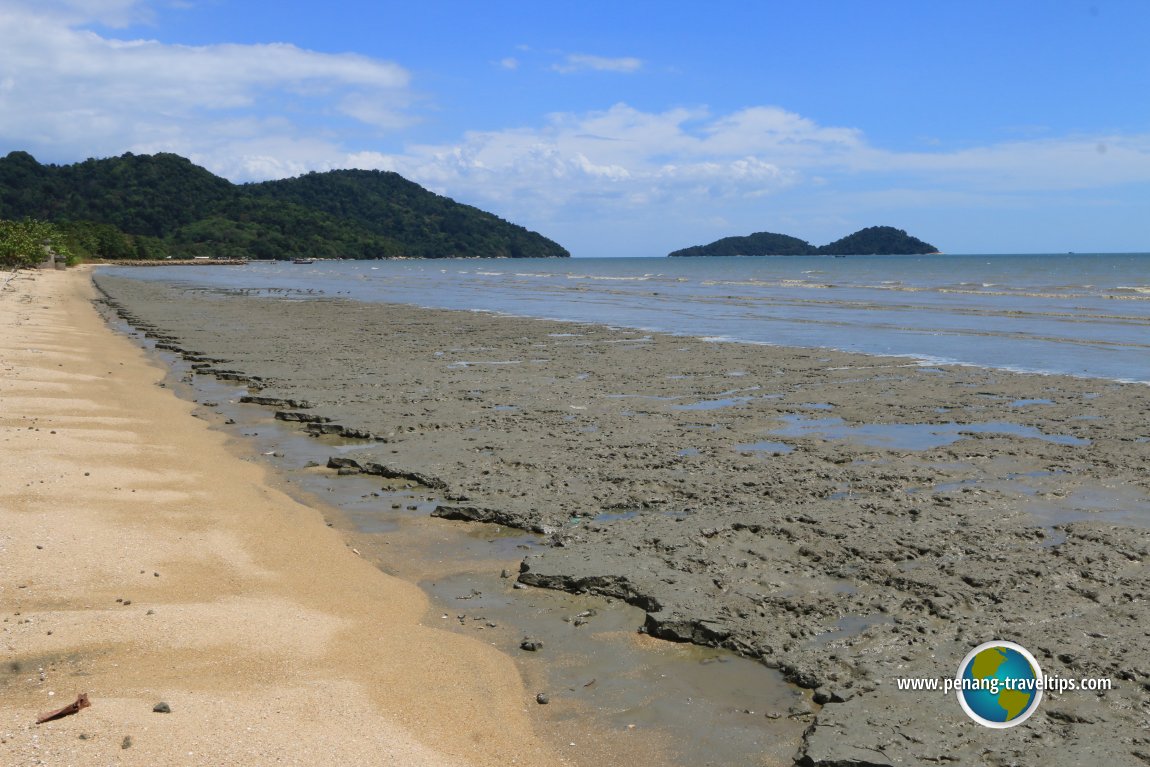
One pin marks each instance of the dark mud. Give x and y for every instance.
(844, 519)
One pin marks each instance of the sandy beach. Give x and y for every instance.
(144, 563)
(848, 520)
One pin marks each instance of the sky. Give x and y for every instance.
(628, 128)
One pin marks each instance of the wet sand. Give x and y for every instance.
(144, 563)
(845, 519)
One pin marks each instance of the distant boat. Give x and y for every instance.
(303, 261)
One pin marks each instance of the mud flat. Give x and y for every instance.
(848, 520)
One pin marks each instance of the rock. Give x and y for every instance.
(530, 644)
(291, 415)
(801, 707)
(274, 401)
(162, 708)
(542, 699)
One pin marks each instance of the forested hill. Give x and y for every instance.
(154, 206)
(872, 241)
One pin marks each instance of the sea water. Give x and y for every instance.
(1077, 314)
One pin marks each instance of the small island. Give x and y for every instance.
(871, 241)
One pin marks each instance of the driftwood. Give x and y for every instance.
(72, 708)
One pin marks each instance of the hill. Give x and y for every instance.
(153, 206)
(757, 244)
(878, 241)
(874, 240)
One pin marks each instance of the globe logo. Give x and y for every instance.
(999, 684)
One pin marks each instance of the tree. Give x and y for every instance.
(26, 243)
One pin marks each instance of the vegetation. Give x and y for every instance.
(757, 244)
(878, 241)
(25, 244)
(874, 240)
(160, 206)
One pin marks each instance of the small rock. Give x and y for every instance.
(162, 708)
(800, 708)
(530, 644)
(126, 742)
(542, 699)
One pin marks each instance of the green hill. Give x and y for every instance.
(757, 244)
(153, 206)
(874, 240)
(878, 241)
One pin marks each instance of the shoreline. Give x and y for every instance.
(146, 563)
(635, 697)
(846, 519)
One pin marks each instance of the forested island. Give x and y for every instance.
(872, 241)
(164, 206)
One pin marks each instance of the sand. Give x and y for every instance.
(848, 520)
(143, 562)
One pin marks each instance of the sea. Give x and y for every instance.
(1079, 314)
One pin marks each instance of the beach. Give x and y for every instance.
(848, 520)
(146, 562)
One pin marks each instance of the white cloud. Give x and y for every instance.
(78, 93)
(509, 62)
(625, 155)
(687, 157)
(579, 62)
(1086, 162)
(112, 13)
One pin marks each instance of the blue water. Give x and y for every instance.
(1085, 315)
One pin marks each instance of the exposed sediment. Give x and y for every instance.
(847, 519)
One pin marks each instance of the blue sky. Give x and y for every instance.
(629, 128)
